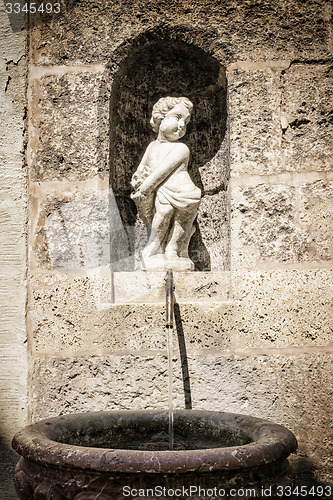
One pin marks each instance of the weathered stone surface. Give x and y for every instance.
(90, 31)
(307, 143)
(70, 120)
(263, 217)
(66, 317)
(57, 308)
(255, 129)
(286, 387)
(99, 382)
(282, 223)
(13, 220)
(72, 231)
(270, 309)
(281, 119)
(316, 213)
(285, 307)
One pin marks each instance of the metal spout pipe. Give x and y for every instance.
(169, 299)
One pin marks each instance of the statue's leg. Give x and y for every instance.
(183, 230)
(159, 229)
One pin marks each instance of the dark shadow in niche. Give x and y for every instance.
(154, 70)
(183, 357)
(8, 460)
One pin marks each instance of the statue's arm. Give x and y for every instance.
(136, 180)
(178, 155)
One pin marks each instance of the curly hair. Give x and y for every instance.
(162, 108)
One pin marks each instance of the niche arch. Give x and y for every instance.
(154, 68)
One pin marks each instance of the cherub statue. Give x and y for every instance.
(166, 197)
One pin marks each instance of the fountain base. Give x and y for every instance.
(114, 455)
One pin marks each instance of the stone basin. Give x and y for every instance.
(124, 454)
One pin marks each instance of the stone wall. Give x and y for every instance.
(255, 330)
(13, 225)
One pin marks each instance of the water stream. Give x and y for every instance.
(169, 332)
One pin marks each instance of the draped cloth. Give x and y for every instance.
(166, 196)
(178, 200)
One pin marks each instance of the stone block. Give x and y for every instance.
(72, 230)
(255, 129)
(70, 126)
(65, 316)
(284, 307)
(13, 250)
(57, 304)
(316, 213)
(209, 247)
(307, 104)
(89, 31)
(263, 218)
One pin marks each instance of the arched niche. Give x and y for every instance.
(156, 69)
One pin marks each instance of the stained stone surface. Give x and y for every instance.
(70, 114)
(307, 103)
(227, 29)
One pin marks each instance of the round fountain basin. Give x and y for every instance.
(114, 453)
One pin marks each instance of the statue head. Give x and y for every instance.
(164, 106)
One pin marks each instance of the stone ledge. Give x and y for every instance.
(36, 72)
(149, 287)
